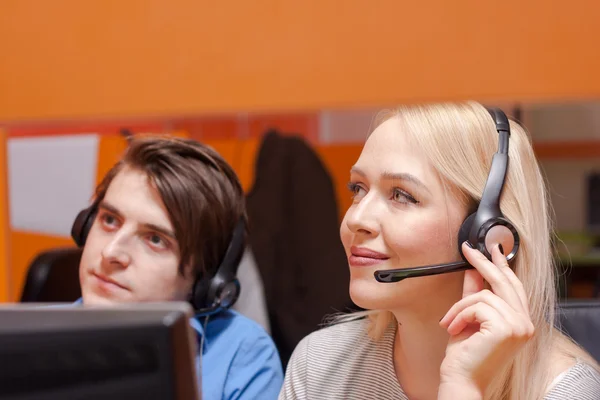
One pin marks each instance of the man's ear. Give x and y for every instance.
(189, 277)
(189, 273)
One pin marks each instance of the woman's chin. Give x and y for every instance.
(372, 295)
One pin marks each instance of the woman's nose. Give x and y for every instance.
(364, 216)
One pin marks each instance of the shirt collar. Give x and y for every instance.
(199, 329)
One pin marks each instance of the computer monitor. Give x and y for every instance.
(136, 351)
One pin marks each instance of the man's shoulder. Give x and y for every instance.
(236, 329)
(232, 320)
(245, 353)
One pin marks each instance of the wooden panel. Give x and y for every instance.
(241, 155)
(567, 149)
(98, 58)
(106, 127)
(338, 160)
(110, 150)
(246, 169)
(305, 125)
(112, 147)
(208, 128)
(227, 148)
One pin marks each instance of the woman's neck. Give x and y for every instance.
(419, 348)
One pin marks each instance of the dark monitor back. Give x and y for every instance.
(142, 351)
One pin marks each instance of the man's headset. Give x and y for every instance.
(483, 228)
(210, 295)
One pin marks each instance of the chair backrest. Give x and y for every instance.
(580, 319)
(53, 276)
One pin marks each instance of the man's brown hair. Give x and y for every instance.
(201, 192)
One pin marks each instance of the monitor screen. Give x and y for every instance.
(144, 351)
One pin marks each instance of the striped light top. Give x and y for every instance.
(340, 362)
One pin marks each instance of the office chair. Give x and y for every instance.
(53, 276)
(580, 319)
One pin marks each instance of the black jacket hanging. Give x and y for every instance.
(294, 233)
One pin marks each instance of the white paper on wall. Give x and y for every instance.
(50, 179)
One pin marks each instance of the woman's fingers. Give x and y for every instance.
(484, 296)
(477, 313)
(492, 273)
(500, 260)
(487, 316)
(473, 282)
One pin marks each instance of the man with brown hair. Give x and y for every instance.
(168, 224)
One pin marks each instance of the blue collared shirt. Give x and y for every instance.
(239, 359)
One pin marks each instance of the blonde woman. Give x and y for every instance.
(481, 333)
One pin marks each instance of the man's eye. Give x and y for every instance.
(157, 241)
(108, 220)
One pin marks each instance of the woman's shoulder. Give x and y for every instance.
(350, 326)
(581, 381)
(346, 342)
(330, 361)
(337, 337)
(344, 346)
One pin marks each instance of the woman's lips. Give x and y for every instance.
(364, 257)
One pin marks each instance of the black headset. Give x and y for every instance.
(483, 228)
(210, 295)
(214, 295)
(480, 227)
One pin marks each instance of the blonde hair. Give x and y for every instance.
(459, 141)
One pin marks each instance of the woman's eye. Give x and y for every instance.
(402, 196)
(355, 189)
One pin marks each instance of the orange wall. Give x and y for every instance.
(114, 58)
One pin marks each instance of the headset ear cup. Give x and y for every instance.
(503, 232)
(200, 294)
(82, 225)
(222, 290)
(229, 293)
(463, 233)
